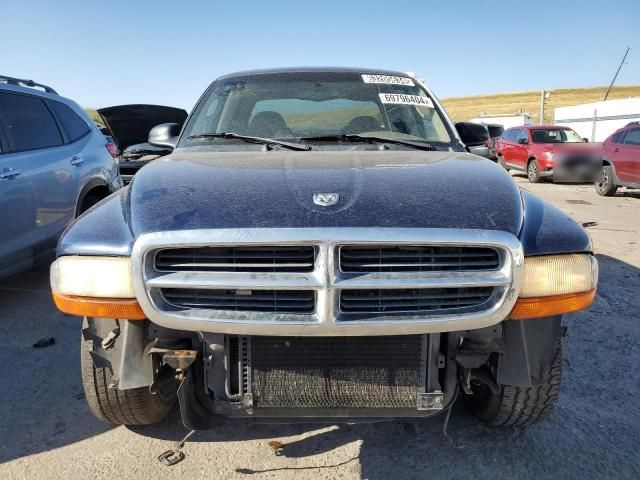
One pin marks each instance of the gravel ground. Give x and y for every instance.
(47, 431)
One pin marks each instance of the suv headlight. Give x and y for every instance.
(556, 284)
(95, 287)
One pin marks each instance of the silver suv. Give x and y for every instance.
(54, 165)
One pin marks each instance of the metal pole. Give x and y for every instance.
(542, 92)
(617, 72)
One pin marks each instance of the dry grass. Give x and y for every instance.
(93, 115)
(466, 108)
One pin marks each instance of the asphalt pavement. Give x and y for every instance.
(47, 431)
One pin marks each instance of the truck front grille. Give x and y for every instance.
(432, 300)
(416, 258)
(327, 282)
(236, 259)
(276, 301)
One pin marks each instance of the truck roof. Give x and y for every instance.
(267, 71)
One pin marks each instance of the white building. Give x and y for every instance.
(596, 121)
(507, 121)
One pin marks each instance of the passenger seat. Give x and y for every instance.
(363, 124)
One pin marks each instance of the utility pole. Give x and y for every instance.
(617, 72)
(542, 94)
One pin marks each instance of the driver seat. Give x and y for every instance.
(269, 124)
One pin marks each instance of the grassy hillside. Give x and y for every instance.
(465, 108)
(93, 115)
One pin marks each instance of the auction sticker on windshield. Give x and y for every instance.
(401, 99)
(388, 80)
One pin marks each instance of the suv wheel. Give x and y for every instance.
(137, 406)
(88, 202)
(533, 172)
(519, 406)
(605, 185)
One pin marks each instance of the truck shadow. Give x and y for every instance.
(595, 428)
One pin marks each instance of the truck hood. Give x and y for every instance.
(130, 124)
(198, 190)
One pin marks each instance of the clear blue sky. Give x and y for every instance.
(115, 52)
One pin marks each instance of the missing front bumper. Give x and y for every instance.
(340, 378)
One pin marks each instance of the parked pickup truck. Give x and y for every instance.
(320, 245)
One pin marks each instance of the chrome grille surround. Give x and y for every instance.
(326, 280)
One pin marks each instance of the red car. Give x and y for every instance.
(621, 161)
(548, 152)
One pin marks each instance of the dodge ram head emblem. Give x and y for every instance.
(326, 199)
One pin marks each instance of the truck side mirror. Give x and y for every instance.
(523, 141)
(585, 139)
(472, 134)
(164, 135)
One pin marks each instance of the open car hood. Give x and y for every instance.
(130, 124)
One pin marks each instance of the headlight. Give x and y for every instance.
(95, 287)
(108, 277)
(556, 284)
(558, 275)
(548, 155)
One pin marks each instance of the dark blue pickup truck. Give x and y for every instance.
(320, 244)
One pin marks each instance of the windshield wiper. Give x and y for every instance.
(246, 138)
(368, 139)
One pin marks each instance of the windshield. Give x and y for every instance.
(294, 105)
(555, 135)
(495, 131)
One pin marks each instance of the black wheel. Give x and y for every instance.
(533, 172)
(88, 202)
(605, 185)
(519, 406)
(137, 406)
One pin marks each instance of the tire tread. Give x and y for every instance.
(136, 406)
(524, 406)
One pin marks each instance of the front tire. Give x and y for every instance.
(136, 406)
(533, 172)
(520, 406)
(605, 185)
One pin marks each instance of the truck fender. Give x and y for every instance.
(547, 230)
(104, 232)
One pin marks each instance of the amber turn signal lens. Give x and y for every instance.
(536, 307)
(123, 309)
